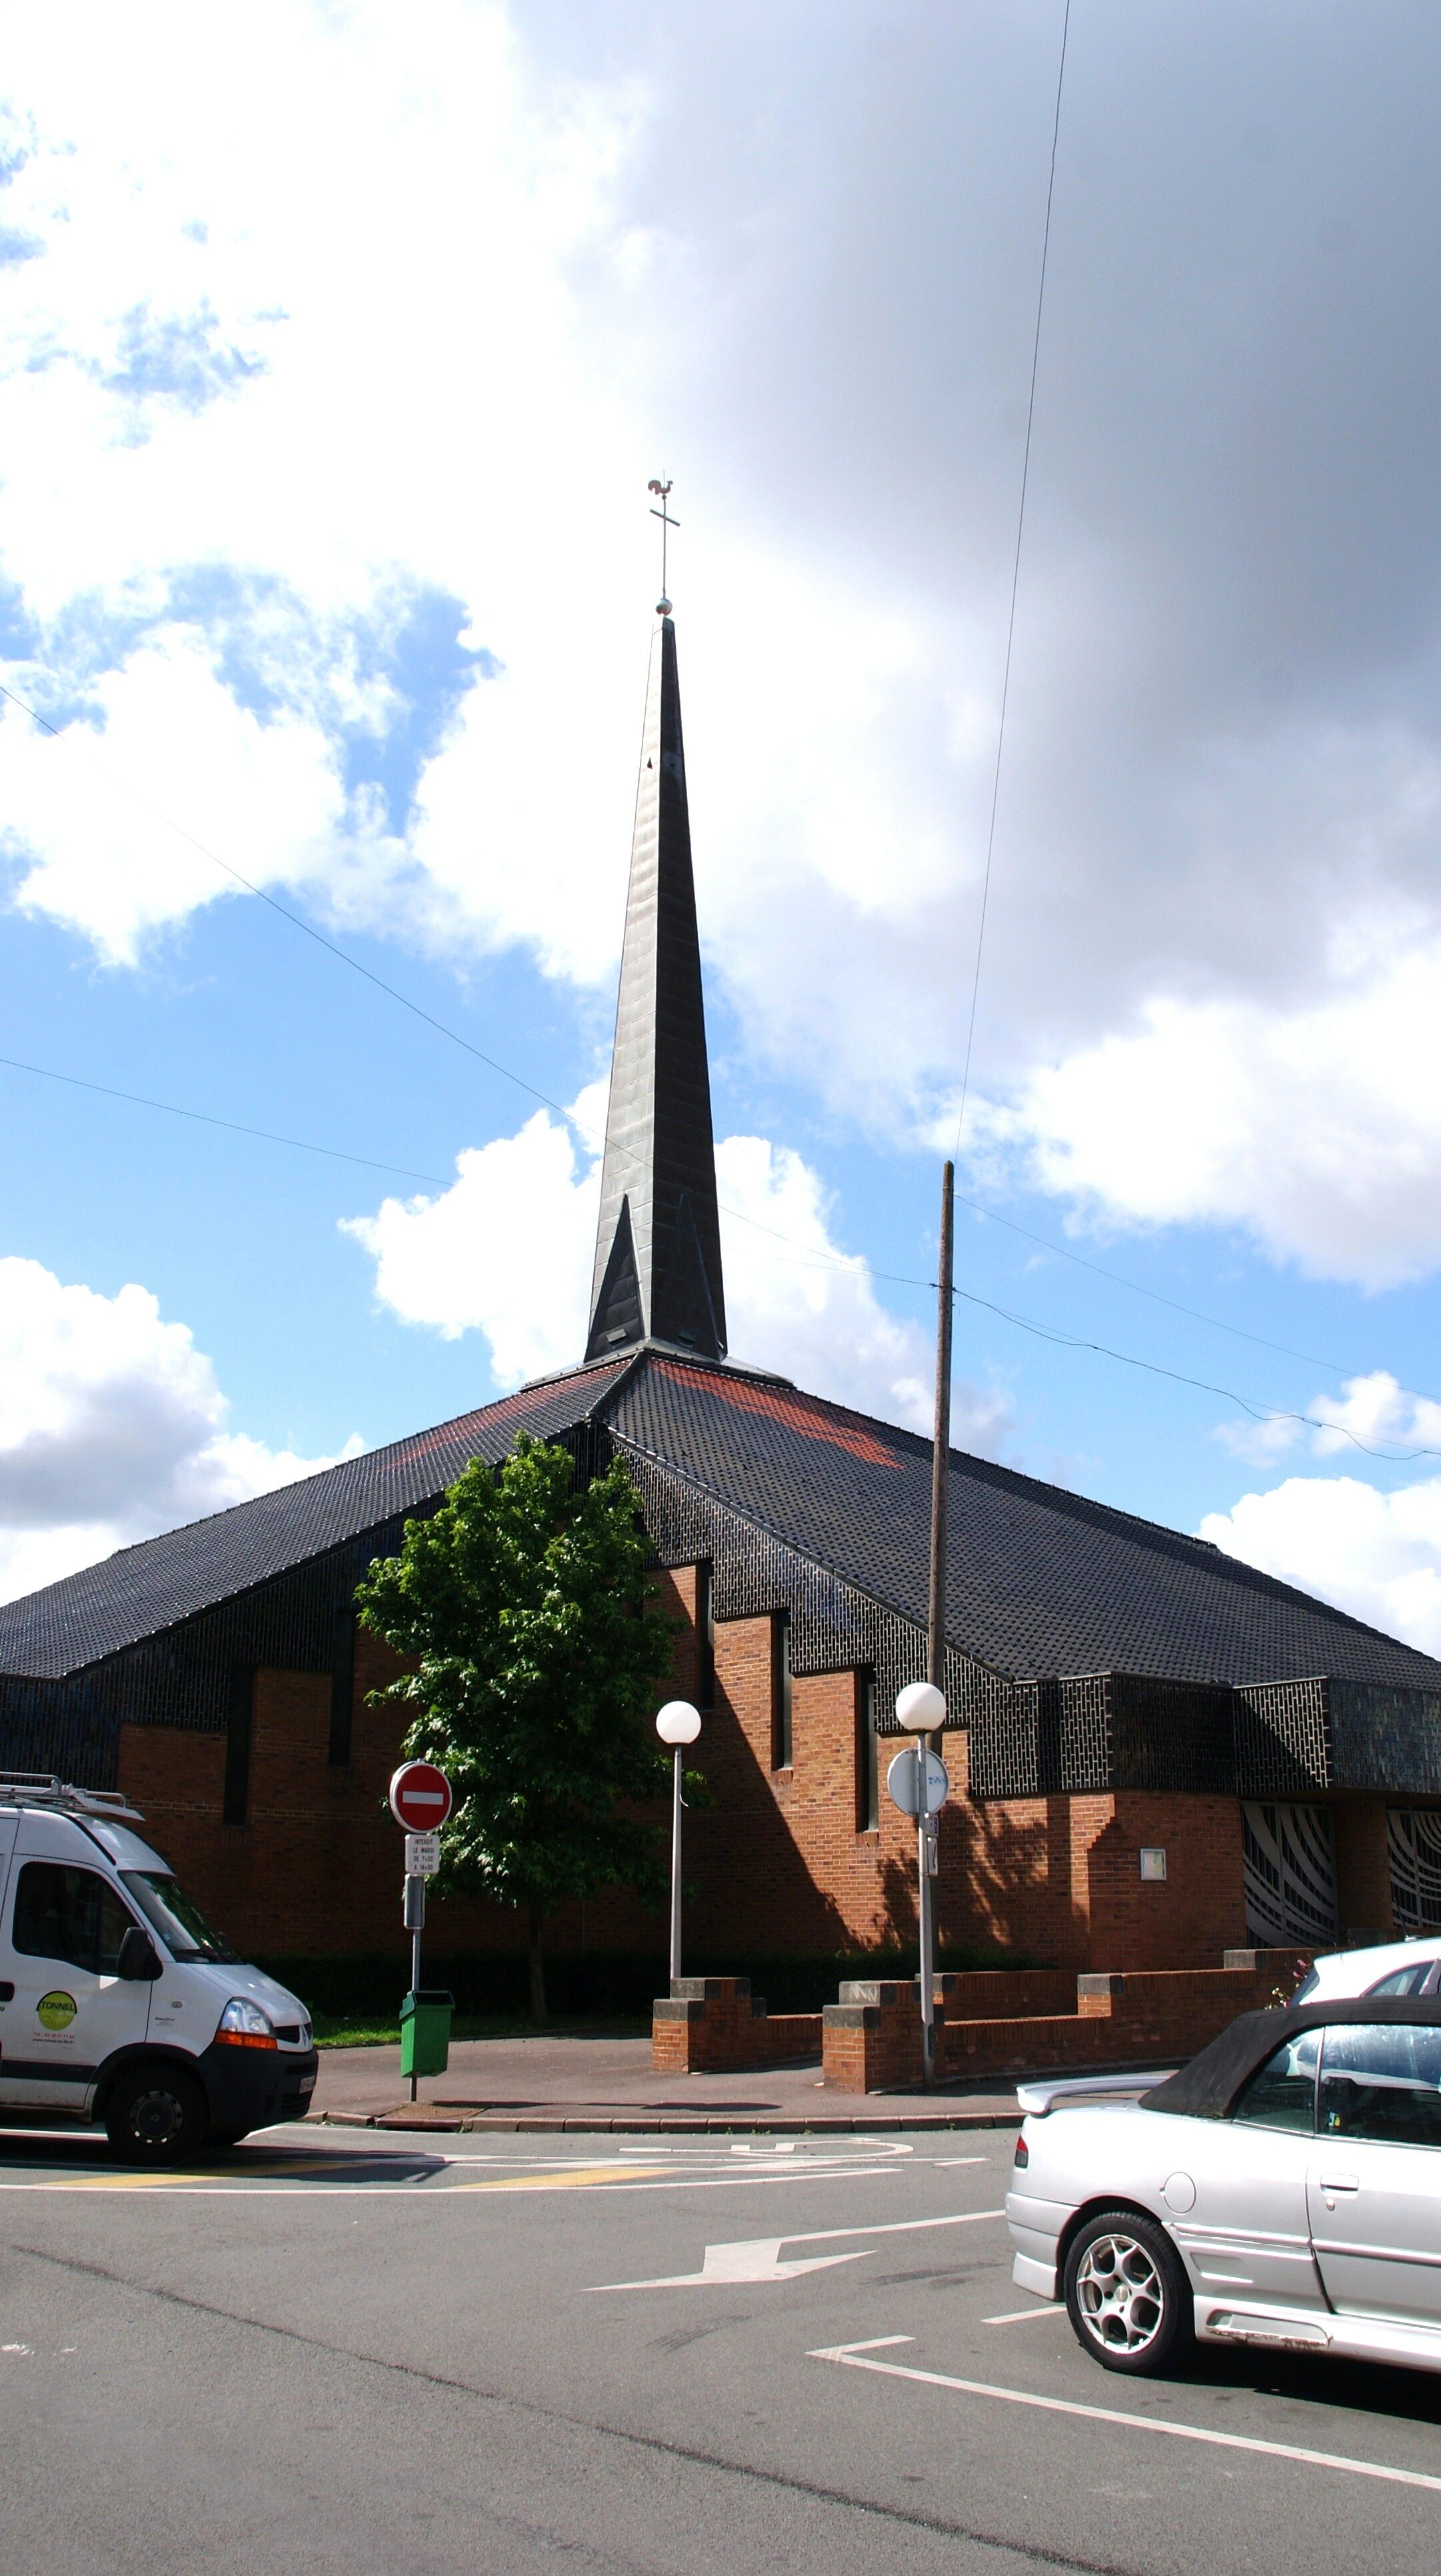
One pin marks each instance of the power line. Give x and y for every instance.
(803, 1256)
(894, 1279)
(803, 1259)
(1015, 583)
(1154, 1368)
(891, 1278)
(233, 1126)
(812, 1260)
(1198, 1314)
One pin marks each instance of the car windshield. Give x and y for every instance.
(175, 1916)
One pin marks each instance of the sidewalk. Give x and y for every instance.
(557, 2081)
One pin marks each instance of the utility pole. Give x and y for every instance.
(940, 1455)
(929, 1825)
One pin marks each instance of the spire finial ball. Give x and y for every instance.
(662, 607)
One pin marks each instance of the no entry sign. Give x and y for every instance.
(420, 1797)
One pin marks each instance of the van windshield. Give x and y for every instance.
(175, 1916)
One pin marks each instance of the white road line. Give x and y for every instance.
(757, 2258)
(856, 2356)
(939, 2161)
(896, 2226)
(1019, 2316)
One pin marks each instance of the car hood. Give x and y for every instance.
(222, 1981)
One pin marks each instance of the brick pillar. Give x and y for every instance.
(871, 2039)
(1363, 1871)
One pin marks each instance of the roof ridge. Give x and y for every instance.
(412, 1444)
(158, 1583)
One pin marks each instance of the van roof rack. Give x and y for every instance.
(47, 1789)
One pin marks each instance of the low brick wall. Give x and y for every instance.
(1012, 1993)
(872, 2037)
(709, 2025)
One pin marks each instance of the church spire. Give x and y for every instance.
(657, 1253)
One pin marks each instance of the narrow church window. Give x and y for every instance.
(342, 1686)
(235, 1799)
(781, 1691)
(867, 1786)
(705, 1635)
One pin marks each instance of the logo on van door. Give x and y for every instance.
(57, 2010)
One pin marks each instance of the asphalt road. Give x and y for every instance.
(342, 2353)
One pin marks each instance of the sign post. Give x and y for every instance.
(420, 1800)
(920, 1784)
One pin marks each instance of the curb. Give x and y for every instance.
(687, 2125)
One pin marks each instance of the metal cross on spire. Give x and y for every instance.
(666, 524)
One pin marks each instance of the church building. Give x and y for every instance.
(1155, 1753)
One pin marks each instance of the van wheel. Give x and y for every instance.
(1127, 2294)
(156, 2115)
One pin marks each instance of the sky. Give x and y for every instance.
(337, 347)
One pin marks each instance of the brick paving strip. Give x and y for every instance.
(563, 2083)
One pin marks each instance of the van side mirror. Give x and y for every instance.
(137, 1961)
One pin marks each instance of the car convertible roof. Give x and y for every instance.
(1206, 2087)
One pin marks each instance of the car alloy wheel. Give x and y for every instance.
(1127, 2294)
(1119, 2293)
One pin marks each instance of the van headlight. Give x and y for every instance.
(244, 2025)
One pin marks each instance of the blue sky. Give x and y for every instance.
(328, 404)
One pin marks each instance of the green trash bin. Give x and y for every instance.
(425, 2031)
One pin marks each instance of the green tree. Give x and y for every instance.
(536, 1652)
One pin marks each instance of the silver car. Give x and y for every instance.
(1389, 1968)
(1283, 2190)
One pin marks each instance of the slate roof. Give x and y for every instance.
(1041, 1581)
(143, 1589)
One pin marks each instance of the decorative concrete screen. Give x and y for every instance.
(1290, 1859)
(1414, 1835)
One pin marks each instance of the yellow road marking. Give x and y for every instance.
(562, 2181)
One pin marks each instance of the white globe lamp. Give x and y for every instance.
(679, 1723)
(921, 1708)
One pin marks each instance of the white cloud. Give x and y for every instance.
(1317, 1131)
(506, 1251)
(264, 796)
(326, 310)
(1377, 1555)
(112, 1426)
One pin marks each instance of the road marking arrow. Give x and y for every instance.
(757, 2258)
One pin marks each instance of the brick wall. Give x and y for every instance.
(316, 1869)
(872, 2038)
(778, 1860)
(1060, 1878)
(708, 2025)
(1363, 1869)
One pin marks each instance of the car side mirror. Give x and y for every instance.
(137, 1961)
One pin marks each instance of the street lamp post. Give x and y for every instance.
(677, 1725)
(922, 1711)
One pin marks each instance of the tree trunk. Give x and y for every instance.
(538, 2011)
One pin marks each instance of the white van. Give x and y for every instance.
(118, 2003)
